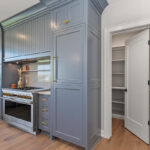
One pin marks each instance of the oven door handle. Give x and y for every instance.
(17, 101)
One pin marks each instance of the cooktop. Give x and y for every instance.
(27, 88)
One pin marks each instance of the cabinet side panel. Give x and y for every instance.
(94, 76)
(0, 72)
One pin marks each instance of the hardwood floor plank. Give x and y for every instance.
(15, 139)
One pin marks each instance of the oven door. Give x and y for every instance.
(17, 113)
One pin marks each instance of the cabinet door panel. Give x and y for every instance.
(69, 55)
(27, 39)
(69, 15)
(75, 12)
(67, 105)
(60, 15)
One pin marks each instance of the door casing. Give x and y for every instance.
(106, 61)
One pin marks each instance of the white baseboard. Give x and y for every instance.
(118, 116)
(102, 133)
(104, 136)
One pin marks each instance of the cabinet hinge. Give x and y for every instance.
(149, 123)
(149, 42)
(148, 82)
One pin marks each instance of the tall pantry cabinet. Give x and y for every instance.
(76, 72)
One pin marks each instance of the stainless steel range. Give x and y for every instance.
(20, 108)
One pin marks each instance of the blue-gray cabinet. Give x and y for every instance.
(67, 89)
(68, 52)
(44, 113)
(76, 72)
(67, 113)
(69, 15)
(29, 39)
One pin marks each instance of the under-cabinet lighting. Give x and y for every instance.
(44, 61)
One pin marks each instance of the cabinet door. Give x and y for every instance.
(67, 92)
(69, 15)
(67, 113)
(29, 39)
(60, 15)
(76, 12)
(69, 49)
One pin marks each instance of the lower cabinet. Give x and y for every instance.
(44, 113)
(68, 113)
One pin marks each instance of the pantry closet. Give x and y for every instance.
(119, 73)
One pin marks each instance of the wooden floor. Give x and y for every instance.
(14, 139)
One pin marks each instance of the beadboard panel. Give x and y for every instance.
(29, 38)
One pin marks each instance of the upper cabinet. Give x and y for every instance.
(71, 14)
(28, 40)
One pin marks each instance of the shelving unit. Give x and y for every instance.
(118, 82)
(119, 88)
(118, 73)
(122, 60)
(35, 70)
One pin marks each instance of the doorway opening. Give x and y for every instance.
(130, 73)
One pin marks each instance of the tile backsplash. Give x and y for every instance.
(37, 74)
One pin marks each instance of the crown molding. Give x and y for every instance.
(100, 5)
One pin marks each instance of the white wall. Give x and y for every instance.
(125, 11)
(120, 12)
(9, 8)
(120, 39)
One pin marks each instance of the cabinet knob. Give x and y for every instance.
(44, 110)
(44, 123)
(44, 99)
(66, 21)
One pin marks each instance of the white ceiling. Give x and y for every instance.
(9, 8)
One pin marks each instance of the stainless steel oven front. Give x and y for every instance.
(20, 111)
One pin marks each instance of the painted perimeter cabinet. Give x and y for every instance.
(28, 39)
(68, 84)
(76, 72)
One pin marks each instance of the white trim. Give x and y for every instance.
(118, 116)
(107, 69)
(102, 133)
